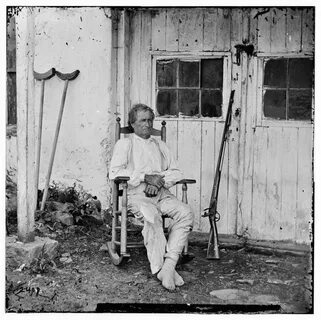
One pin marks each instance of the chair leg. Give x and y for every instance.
(123, 231)
(186, 256)
(115, 257)
(118, 253)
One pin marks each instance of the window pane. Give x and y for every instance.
(166, 102)
(274, 104)
(301, 73)
(275, 73)
(211, 103)
(189, 74)
(212, 73)
(188, 102)
(300, 105)
(166, 73)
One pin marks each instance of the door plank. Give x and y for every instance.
(145, 59)
(189, 160)
(158, 29)
(253, 28)
(289, 142)
(278, 31)
(224, 29)
(308, 23)
(171, 36)
(274, 194)
(293, 23)
(223, 188)
(264, 31)
(210, 29)
(190, 30)
(208, 169)
(260, 164)
(135, 52)
(304, 187)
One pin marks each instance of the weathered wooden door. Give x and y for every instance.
(276, 131)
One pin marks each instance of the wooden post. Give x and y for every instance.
(121, 40)
(26, 179)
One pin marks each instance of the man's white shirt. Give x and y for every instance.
(134, 157)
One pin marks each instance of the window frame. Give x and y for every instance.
(263, 121)
(227, 69)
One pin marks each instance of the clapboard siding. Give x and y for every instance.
(265, 190)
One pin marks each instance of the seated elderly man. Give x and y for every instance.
(153, 170)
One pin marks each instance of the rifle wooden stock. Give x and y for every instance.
(213, 242)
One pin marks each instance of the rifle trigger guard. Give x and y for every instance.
(206, 213)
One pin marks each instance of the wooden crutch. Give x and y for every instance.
(66, 77)
(41, 77)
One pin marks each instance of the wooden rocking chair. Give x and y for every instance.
(118, 246)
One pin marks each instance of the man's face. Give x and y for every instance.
(144, 124)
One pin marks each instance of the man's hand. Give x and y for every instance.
(154, 180)
(151, 191)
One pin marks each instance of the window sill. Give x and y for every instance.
(284, 123)
(11, 130)
(159, 118)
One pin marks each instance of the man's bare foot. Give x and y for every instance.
(167, 274)
(167, 278)
(178, 279)
(167, 283)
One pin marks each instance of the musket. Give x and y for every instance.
(211, 212)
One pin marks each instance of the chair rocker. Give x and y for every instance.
(119, 244)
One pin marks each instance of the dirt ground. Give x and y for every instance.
(83, 279)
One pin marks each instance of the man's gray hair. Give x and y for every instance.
(132, 115)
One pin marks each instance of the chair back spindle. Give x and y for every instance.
(117, 131)
(163, 131)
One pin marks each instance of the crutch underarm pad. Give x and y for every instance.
(186, 181)
(121, 179)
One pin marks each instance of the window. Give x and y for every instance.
(189, 87)
(287, 88)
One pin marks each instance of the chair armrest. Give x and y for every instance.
(186, 181)
(121, 179)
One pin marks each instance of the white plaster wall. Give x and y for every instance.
(69, 39)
